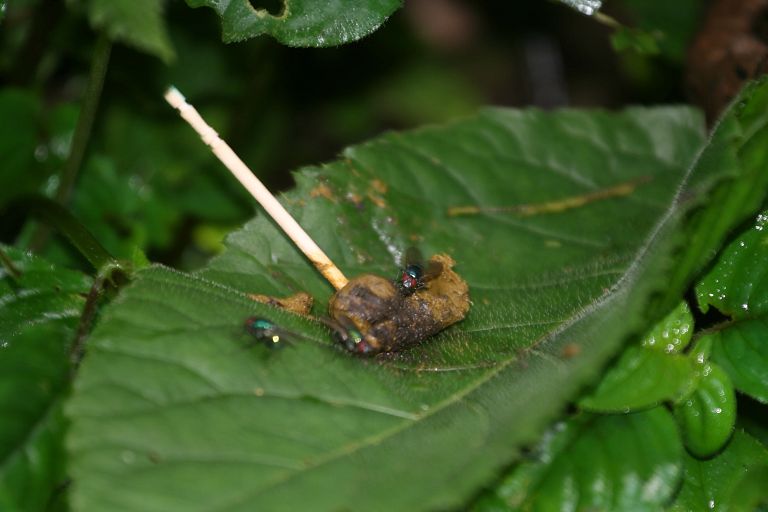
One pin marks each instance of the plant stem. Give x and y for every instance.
(72, 166)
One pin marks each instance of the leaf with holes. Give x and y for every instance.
(39, 310)
(171, 412)
(597, 462)
(302, 22)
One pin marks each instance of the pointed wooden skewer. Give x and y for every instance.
(249, 180)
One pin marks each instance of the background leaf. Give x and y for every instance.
(38, 314)
(138, 23)
(597, 462)
(302, 22)
(18, 141)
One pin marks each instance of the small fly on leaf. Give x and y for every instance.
(267, 333)
(415, 274)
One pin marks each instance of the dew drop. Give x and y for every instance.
(128, 457)
(41, 153)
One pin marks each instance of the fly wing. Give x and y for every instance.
(413, 257)
(433, 270)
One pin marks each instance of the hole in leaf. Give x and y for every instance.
(273, 7)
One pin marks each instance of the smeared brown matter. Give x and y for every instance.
(389, 321)
(299, 303)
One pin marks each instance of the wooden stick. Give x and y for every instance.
(244, 175)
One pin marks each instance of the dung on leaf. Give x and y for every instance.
(373, 315)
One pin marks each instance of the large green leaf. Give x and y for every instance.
(302, 22)
(734, 480)
(605, 462)
(38, 313)
(171, 413)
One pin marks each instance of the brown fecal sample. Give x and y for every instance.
(299, 303)
(390, 321)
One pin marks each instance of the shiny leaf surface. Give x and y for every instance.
(302, 22)
(707, 416)
(738, 286)
(733, 480)
(597, 462)
(650, 373)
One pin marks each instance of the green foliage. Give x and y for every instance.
(670, 25)
(302, 22)
(18, 141)
(707, 416)
(649, 373)
(733, 480)
(738, 287)
(653, 371)
(39, 310)
(596, 462)
(138, 23)
(601, 223)
(460, 403)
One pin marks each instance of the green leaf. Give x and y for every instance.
(640, 41)
(742, 351)
(641, 378)
(597, 462)
(733, 480)
(171, 413)
(738, 283)
(738, 286)
(302, 22)
(736, 156)
(38, 313)
(138, 23)
(672, 24)
(650, 373)
(707, 416)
